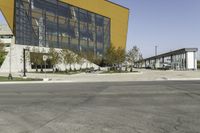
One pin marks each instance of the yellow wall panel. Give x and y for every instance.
(119, 17)
(7, 9)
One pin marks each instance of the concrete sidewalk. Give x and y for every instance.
(142, 75)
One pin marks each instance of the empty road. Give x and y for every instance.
(128, 107)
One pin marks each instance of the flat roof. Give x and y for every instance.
(179, 51)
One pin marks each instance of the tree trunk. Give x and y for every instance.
(53, 68)
(80, 67)
(70, 69)
(66, 68)
(74, 67)
(36, 68)
(131, 67)
(87, 65)
(41, 68)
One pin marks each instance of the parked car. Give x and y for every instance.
(167, 66)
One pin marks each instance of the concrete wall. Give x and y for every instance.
(191, 61)
(17, 60)
(5, 40)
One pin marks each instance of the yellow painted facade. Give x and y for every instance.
(118, 15)
(7, 9)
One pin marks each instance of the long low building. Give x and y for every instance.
(181, 59)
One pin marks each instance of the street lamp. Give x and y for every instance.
(10, 63)
(24, 59)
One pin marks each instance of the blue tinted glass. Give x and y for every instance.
(52, 23)
(70, 31)
(99, 37)
(85, 17)
(99, 21)
(64, 11)
(41, 4)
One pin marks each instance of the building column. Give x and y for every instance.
(195, 60)
(149, 63)
(145, 62)
(186, 61)
(171, 59)
(163, 59)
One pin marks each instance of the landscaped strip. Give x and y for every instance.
(5, 79)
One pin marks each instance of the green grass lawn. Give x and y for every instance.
(5, 79)
(198, 65)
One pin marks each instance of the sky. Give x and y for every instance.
(168, 24)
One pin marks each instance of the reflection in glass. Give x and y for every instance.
(50, 23)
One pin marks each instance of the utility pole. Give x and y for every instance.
(156, 50)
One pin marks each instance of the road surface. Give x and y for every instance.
(129, 107)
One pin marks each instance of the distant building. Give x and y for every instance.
(182, 59)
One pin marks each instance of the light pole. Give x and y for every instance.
(10, 63)
(24, 59)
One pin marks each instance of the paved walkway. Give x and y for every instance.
(142, 75)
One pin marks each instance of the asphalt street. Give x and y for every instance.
(128, 107)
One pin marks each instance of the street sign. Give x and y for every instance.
(45, 57)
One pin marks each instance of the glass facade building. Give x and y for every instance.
(51, 23)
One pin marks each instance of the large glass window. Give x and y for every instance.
(51, 23)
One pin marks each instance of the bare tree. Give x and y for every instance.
(79, 60)
(110, 56)
(119, 56)
(65, 57)
(133, 55)
(68, 58)
(35, 57)
(115, 56)
(54, 57)
(41, 61)
(90, 58)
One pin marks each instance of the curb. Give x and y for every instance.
(35, 82)
(64, 81)
(183, 79)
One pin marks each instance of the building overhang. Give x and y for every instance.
(175, 52)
